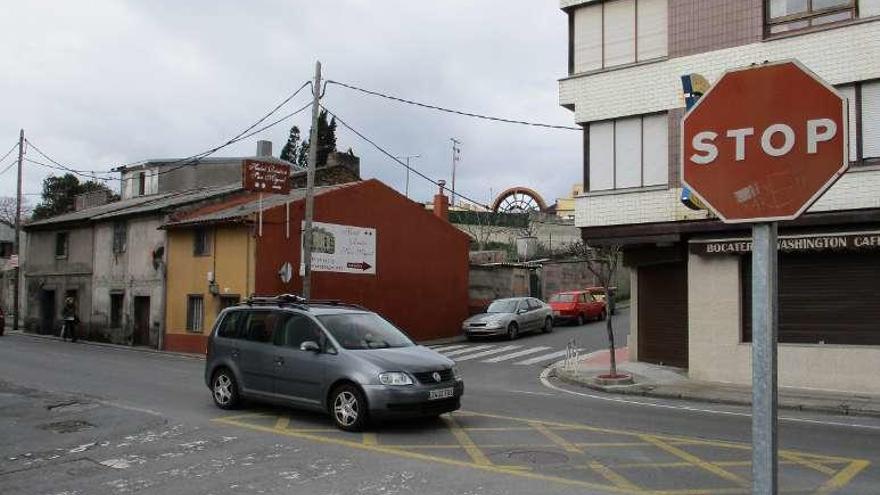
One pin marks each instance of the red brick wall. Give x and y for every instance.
(176, 342)
(421, 280)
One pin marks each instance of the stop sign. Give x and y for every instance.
(764, 143)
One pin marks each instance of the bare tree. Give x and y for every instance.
(482, 226)
(7, 210)
(603, 262)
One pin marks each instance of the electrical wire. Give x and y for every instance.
(399, 162)
(193, 159)
(13, 162)
(450, 110)
(70, 170)
(10, 151)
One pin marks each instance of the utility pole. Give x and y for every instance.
(456, 156)
(16, 293)
(407, 157)
(310, 185)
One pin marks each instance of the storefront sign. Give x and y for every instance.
(342, 248)
(824, 242)
(265, 177)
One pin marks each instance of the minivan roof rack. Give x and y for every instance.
(293, 300)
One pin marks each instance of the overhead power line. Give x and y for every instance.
(453, 111)
(69, 170)
(398, 161)
(14, 146)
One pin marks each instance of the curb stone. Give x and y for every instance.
(643, 390)
(111, 346)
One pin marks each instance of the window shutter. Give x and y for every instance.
(628, 152)
(601, 156)
(867, 8)
(652, 29)
(871, 119)
(656, 149)
(588, 38)
(849, 92)
(620, 32)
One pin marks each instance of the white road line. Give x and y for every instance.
(512, 355)
(543, 357)
(546, 382)
(465, 351)
(487, 353)
(442, 348)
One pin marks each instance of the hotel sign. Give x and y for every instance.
(805, 243)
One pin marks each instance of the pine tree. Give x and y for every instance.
(291, 150)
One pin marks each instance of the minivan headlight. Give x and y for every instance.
(456, 374)
(395, 378)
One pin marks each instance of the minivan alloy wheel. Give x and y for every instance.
(224, 390)
(346, 408)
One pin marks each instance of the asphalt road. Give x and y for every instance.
(83, 419)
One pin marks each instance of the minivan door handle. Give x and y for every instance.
(235, 353)
(279, 360)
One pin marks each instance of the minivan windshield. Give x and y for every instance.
(503, 306)
(364, 331)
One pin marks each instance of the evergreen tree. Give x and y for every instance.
(291, 149)
(59, 193)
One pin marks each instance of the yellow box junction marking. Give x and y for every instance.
(840, 471)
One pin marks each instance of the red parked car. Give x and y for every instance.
(577, 306)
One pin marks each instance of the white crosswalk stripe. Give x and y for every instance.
(444, 348)
(514, 355)
(545, 357)
(480, 354)
(467, 350)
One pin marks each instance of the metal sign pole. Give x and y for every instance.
(764, 382)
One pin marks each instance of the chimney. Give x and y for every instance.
(441, 202)
(264, 148)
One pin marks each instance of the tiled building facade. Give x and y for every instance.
(626, 58)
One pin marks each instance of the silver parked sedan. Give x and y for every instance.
(510, 317)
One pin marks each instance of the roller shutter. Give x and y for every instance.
(662, 314)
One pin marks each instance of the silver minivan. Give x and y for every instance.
(326, 356)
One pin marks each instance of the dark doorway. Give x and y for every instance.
(47, 312)
(228, 300)
(663, 315)
(141, 334)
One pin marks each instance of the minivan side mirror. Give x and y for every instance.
(310, 345)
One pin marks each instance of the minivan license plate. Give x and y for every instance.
(441, 393)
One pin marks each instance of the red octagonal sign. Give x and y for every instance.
(764, 143)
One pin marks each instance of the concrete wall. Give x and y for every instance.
(487, 283)
(44, 271)
(206, 174)
(132, 273)
(716, 353)
(231, 261)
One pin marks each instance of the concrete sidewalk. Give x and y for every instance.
(10, 333)
(673, 383)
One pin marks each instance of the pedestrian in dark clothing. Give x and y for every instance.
(68, 329)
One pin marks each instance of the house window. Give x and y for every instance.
(791, 15)
(5, 249)
(619, 32)
(201, 242)
(863, 99)
(627, 153)
(228, 300)
(195, 313)
(116, 301)
(142, 183)
(61, 247)
(120, 236)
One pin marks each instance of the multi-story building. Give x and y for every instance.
(690, 275)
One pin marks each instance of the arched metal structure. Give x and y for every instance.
(518, 200)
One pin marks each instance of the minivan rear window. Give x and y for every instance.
(364, 331)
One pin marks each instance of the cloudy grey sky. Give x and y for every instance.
(97, 83)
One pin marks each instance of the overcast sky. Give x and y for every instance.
(98, 83)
